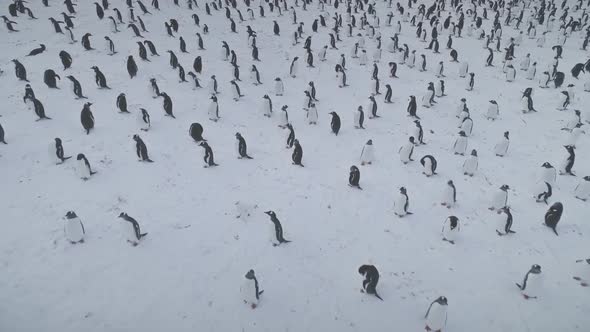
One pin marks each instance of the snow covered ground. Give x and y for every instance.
(186, 274)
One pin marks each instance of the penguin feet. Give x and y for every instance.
(577, 278)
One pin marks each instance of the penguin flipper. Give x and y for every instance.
(377, 295)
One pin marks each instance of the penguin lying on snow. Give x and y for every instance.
(531, 282)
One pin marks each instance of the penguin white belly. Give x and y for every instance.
(391, 47)
(212, 111)
(312, 115)
(405, 153)
(461, 145)
(540, 187)
(357, 118)
(401, 59)
(374, 86)
(377, 55)
(582, 190)
(211, 87)
(283, 119)
(142, 124)
(341, 79)
(467, 126)
(501, 148)
(587, 86)
(500, 199)
(235, 92)
(427, 166)
(530, 73)
(278, 88)
(470, 165)
(82, 170)
(399, 205)
(534, 285)
(460, 110)
(438, 90)
(128, 231)
(248, 291)
(237, 147)
(426, 99)
(448, 233)
(548, 175)
(448, 197)
(411, 60)
(510, 75)
(524, 104)
(524, 64)
(53, 154)
(253, 77)
(367, 155)
(492, 112)
(73, 229)
(463, 69)
(437, 317)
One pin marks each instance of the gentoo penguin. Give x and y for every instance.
(279, 87)
(553, 216)
(37, 50)
(49, 78)
(312, 114)
(2, 140)
(143, 119)
(208, 157)
(110, 45)
(29, 93)
(543, 192)
(167, 105)
(152, 47)
(141, 149)
(367, 154)
(122, 103)
(467, 125)
(460, 145)
(450, 229)
(86, 42)
(236, 90)
(354, 177)
(449, 195)
(359, 118)
(173, 59)
(402, 203)
(493, 110)
(544, 80)
(213, 109)
(297, 155)
(66, 59)
(428, 98)
(241, 147)
(531, 71)
(548, 174)
(501, 148)
(39, 110)
(527, 101)
(582, 190)
(371, 275)
(99, 11)
(388, 94)
(131, 229)
(510, 73)
(83, 167)
(405, 152)
(56, 151)
(419, 133)
(131, 66)
(429, 164)
(436, 315)
(213, 85)
(9, 23)
(463, 69)
(439, 88)
(250, 290)
(335, 123)
(470, 82)
(283, 117)
(293, 67)
(99, 78)
(470, 165)
(278, 229)
(87, 118)
(73, 228)
(507, 221)
(531, 283)
(267, 106)
(490, 58)
(568, 163)
(255, 75)
(573, 121)
(291, 136)
(412, 107)
(154, 88)
(500, 198)
(196, 132)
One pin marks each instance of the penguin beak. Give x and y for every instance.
(267, 212)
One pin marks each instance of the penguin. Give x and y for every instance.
(87, 118)
(450, 229)
(470, 165)
(167, 105)
(335, 123)
(470, 82)
(460, 144)
(131, 229)
(440, 88)
(154, 88)
(143, 119)
(213, 85)
(429, 164)
(142, 52)
(135, 30)
(152, 48)
(49, 78)
(182, 45)
(20, 71)
(39, 109)
(579, 67)
(111, 46)
(568, 163)
(507, 222)
(208, 158)
(173, 59)
(388, 94)
(77, 88)
(251, 295)
(359, 118)
(544, 80)
(293, 67)
(99, 78)
(241, 147)
(131, 66)
(367, 154)
(73, 228)
(267, 106)
(56, 151)
(402, 203)
(428, 98)
(490, 58)
(412, 107)
(500, 198)
(531, 71)
(510, 73)
(312, 114)
(279, 87)
(297, 155)
(449, 195)
(564, 101)
(436, 315)
(405, 152)
(545, 191)
(99, 11)
(531, 283)
(371, 275)
(83, 167)
(393, 69)
(66, 59)
(467, 125)
(200, 43)
(141, 149)
(276, 28)
(582, 190)
(236, 90)
(9, 24)
(196, 132)
(549, 174)
(284, 117)
(501, 148)
(454, 54)
(354, 177)
(492, 111)
(86, 42)
(291, 136)
(37, 51)
(463, 69)
(278, 229)
(527, 101)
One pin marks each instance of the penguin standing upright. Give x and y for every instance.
(49, 78)
(312, 114)
(279, 87)
(122, 103)
(367, 154)
(568, 163)
(470, 82)
(412, 107)
(241, 147)
(405, 152)
(208, 157)
(39, 109)
(507, 221)
(449, 195)
(167, 105)
(402, 203)
(213, 110)
(501, 148)
(371, 275)
(267, 106)
(99, 78)
(450, 229)
(278, 229)
(66, 59)
(293, 67)
(87, 118)
(131, 66)
(56, 151)
(297, 155)
(354, 177)
(531, 283)
(73, 228)
(493, 110)
(141, 149)
(236, 90)
(470, 165)
(429, 164)
(251, 292)
(543, 192)
(83, 167)
(460, 145)
(143, 119)
(359, 118)
(131, 229)
(335, 123)
(500, 198)
(436, 315)
(86, 42)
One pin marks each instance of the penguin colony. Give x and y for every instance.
(378, 55)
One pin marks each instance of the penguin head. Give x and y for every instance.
(402, 190)
(411, 139)
(504, 187)
(462, 133)
(266, 97)
(507, 134)
(546, 165)
(370, 142)
(332, 113)
(95, 68)
(136, 137)
(270, 213)
(505, 209)
(493, 102)
(277, 79)
(536, 269)
(58, 140)
(463, 99)
(353, 168)
(450, 183)
(569, 147)
(80, 156)
(586, 178)
(250, 275)
(577, 112)
(442, 300)
(71, 215)
(238, 135)
(122, 215)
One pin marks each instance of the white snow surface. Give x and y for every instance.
(186, 274)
